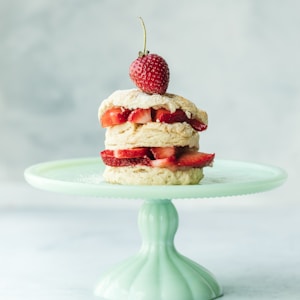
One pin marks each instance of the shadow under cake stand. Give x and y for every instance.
(157, 271)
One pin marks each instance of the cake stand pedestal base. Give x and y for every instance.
(158, 271)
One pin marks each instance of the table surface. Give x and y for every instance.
(56, 246)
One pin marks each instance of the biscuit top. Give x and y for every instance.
(134, 98)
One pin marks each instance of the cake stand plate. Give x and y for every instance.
(157, 271)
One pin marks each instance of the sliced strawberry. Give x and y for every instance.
(123, 162)
(140, 116)
(107, 153)
(163, 152)
(168, 162)
(195, 159)
(161, 159)
(126, 162)
(159, 113)
(132, 153)
(164, 115)
(197, 125)
(114, 116)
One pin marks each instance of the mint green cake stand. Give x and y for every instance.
(157, 271)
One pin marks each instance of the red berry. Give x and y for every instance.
(168, 162)
(195, 159)
(114, 116)
(107, 153)
(197, 125)
(150, 73)
(162, 157)
(163, 152)
(112, 161)
(164, 115)
(140, 116)
(132, 153)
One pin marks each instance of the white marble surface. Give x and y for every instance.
(56, 247)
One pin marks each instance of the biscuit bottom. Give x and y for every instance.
(144, 175)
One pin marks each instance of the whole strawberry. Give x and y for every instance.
(150, 72)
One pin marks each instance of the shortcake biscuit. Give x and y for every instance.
(152, 134)
(144, 175)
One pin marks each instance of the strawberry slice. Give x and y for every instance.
(163, 158)
(112, 161)
(163, 152)
(107, 153)
(114, 116)
(197, 125)
(140, 116)
(132, 153)
(164, 115)
(126, 162)
(195, 159)
(168, 162)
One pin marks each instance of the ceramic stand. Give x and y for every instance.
(158, 271)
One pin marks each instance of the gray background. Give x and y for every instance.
(238, 60)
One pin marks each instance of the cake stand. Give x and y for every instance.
(158, 271)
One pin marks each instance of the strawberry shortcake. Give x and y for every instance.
(152, 139)
(152, 136)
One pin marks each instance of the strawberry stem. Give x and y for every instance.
(145, 51)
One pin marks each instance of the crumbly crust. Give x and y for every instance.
(143, 175)
(134, 98)
(153, 134)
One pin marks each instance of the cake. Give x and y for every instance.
(152, 137)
